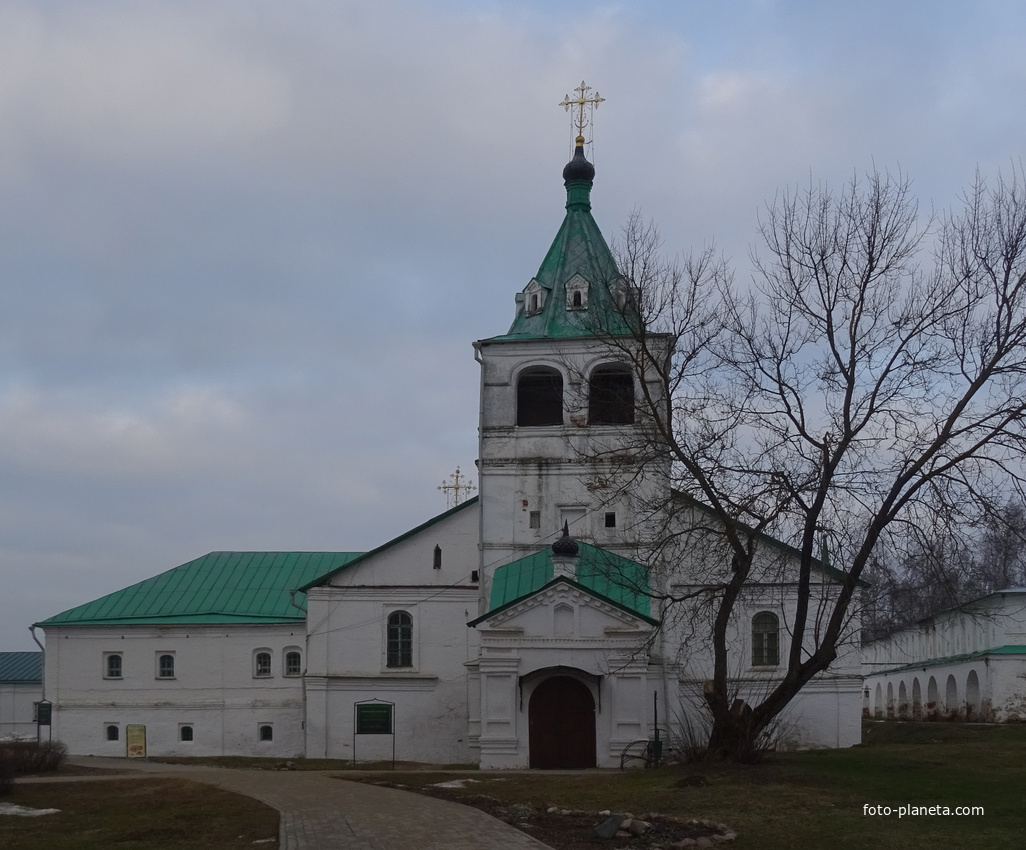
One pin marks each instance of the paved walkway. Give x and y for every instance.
(322, 813)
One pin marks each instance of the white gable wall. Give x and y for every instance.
(348, 634)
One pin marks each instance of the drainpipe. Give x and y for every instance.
(32, 629)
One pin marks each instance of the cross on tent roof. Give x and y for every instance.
(578, 103)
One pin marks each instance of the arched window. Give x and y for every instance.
(293, 663)
(262, 664)
(266, 732)
(611, 396)
(166, 667)
(185, 733)
(113, 733)
(400, 640)
(113, 666)
(765, 640)
(540, 398)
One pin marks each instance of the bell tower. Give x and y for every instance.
(561, 436)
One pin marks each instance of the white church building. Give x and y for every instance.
(485, 635)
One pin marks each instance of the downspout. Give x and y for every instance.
(481, 579)
(32, 629)
(306, 657)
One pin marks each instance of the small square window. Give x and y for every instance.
(534, 519)
(112, 732)
(611, 519)
(184, 733)
(266, 732)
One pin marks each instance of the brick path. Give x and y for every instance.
(321, 813)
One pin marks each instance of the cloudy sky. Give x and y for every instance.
(245, 246)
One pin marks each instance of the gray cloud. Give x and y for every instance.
(245, 246)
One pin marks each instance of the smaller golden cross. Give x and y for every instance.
(579, 103)
(455, 486)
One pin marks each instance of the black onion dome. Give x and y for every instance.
(565, 546)
(579, 168)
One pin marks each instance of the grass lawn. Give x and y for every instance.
(812, 799)
(809, 800)
(136, 814)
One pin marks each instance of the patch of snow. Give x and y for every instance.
(454, 783)
(24, 811)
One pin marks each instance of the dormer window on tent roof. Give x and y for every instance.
(577, 293)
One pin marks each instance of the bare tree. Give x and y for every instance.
(850, 394)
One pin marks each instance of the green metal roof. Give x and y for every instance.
(222, 587)
(609, 576)
(21, 668)
(1008, 649)
(578, 249)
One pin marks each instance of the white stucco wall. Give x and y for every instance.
(215, 689)
(348, 638)
(562, 631)
(16, 709)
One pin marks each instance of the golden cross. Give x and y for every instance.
(456, 485)
(579, 103)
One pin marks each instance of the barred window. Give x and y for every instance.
(262, 664)
(113, 666)
(293, 664)
(166, 667)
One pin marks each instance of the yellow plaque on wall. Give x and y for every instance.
(135, 738)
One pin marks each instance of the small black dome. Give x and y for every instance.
(578, 168)
(565, 546)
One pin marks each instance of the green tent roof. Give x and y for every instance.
(578, 249)
(222, 587)
(611, 577)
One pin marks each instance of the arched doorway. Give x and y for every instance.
(561, 723)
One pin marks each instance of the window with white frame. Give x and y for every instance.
(765, 640)
(399, 650)
(262, 663)
(112, 665)
(165, 665)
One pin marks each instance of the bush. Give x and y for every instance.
(18, 758)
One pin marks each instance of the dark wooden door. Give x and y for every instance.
(561, 720)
